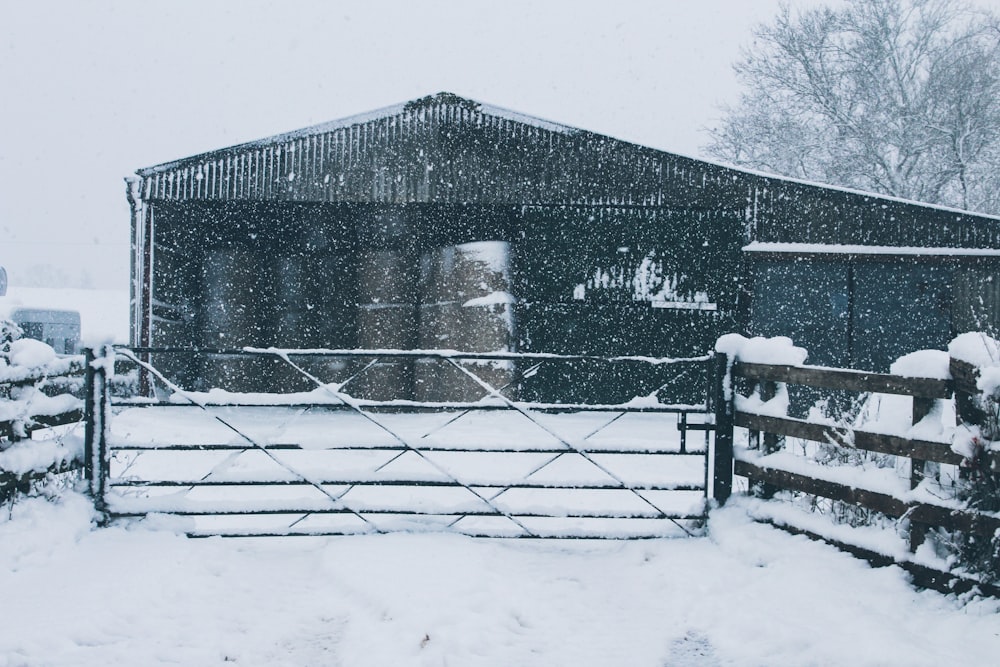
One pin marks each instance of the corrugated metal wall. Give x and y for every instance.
(977, 298)
(867, 311)
(587, 219)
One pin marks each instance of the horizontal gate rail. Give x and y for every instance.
(389, 448)
(479, 484)
(416, 512)
(435, 406)
(418, 354)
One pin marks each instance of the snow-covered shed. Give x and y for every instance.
(447, 223)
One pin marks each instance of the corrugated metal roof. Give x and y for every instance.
(441, 148)
(447, 149)
(395, 110)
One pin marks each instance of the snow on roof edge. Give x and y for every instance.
(517, 116)
(365, 117)
(527, 119)
(844, 249)
(319, 128)
(841, 188)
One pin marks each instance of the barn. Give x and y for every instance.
(448, 223)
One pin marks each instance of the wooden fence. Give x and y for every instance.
(22, 417)
(768, 469)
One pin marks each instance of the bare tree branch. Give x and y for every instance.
(900, 97)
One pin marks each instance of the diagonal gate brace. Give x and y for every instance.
(578, 450)
(355, 405)
(336, 498)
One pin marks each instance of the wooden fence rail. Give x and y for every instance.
(21, 426)
(770, 474)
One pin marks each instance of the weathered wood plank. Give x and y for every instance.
(11, 483)
(921, 575)
(47, 421)
(845, 379)
(926, 450)
(934, 515)
(964, 375)
(966, 392)
(57, 368)
(879, 502)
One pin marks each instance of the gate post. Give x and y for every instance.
(97, 407)
(723, 391)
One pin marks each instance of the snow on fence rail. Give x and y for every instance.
(326, 461)
(943, 463)
(38, 390)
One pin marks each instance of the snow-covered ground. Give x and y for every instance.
(140, 593)
(745, 595)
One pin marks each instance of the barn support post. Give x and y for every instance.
(722, 477)
(140, 288)
(97, 406)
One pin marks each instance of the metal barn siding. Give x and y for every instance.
(337, 236)
(441, 149)
(245, 273)
(900, 305)
(866, 310)
(977, 298)
(794, 212)
(807, 301)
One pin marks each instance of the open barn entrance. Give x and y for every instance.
(513, 462)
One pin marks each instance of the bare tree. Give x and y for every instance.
(900, 97)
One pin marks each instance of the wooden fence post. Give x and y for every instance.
(96, 412)
(967, 407)
(921, 408)
(724, 391)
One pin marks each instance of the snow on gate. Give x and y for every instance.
(328, 462)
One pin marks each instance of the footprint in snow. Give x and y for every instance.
(691, 650)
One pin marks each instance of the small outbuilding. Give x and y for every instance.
(447, 223)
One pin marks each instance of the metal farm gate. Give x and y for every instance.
(340, 456)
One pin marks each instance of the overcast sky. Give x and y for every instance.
(94, 90)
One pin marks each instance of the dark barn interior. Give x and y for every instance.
(444, 223)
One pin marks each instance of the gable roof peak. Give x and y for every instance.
(427, 103)
(442, 98)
